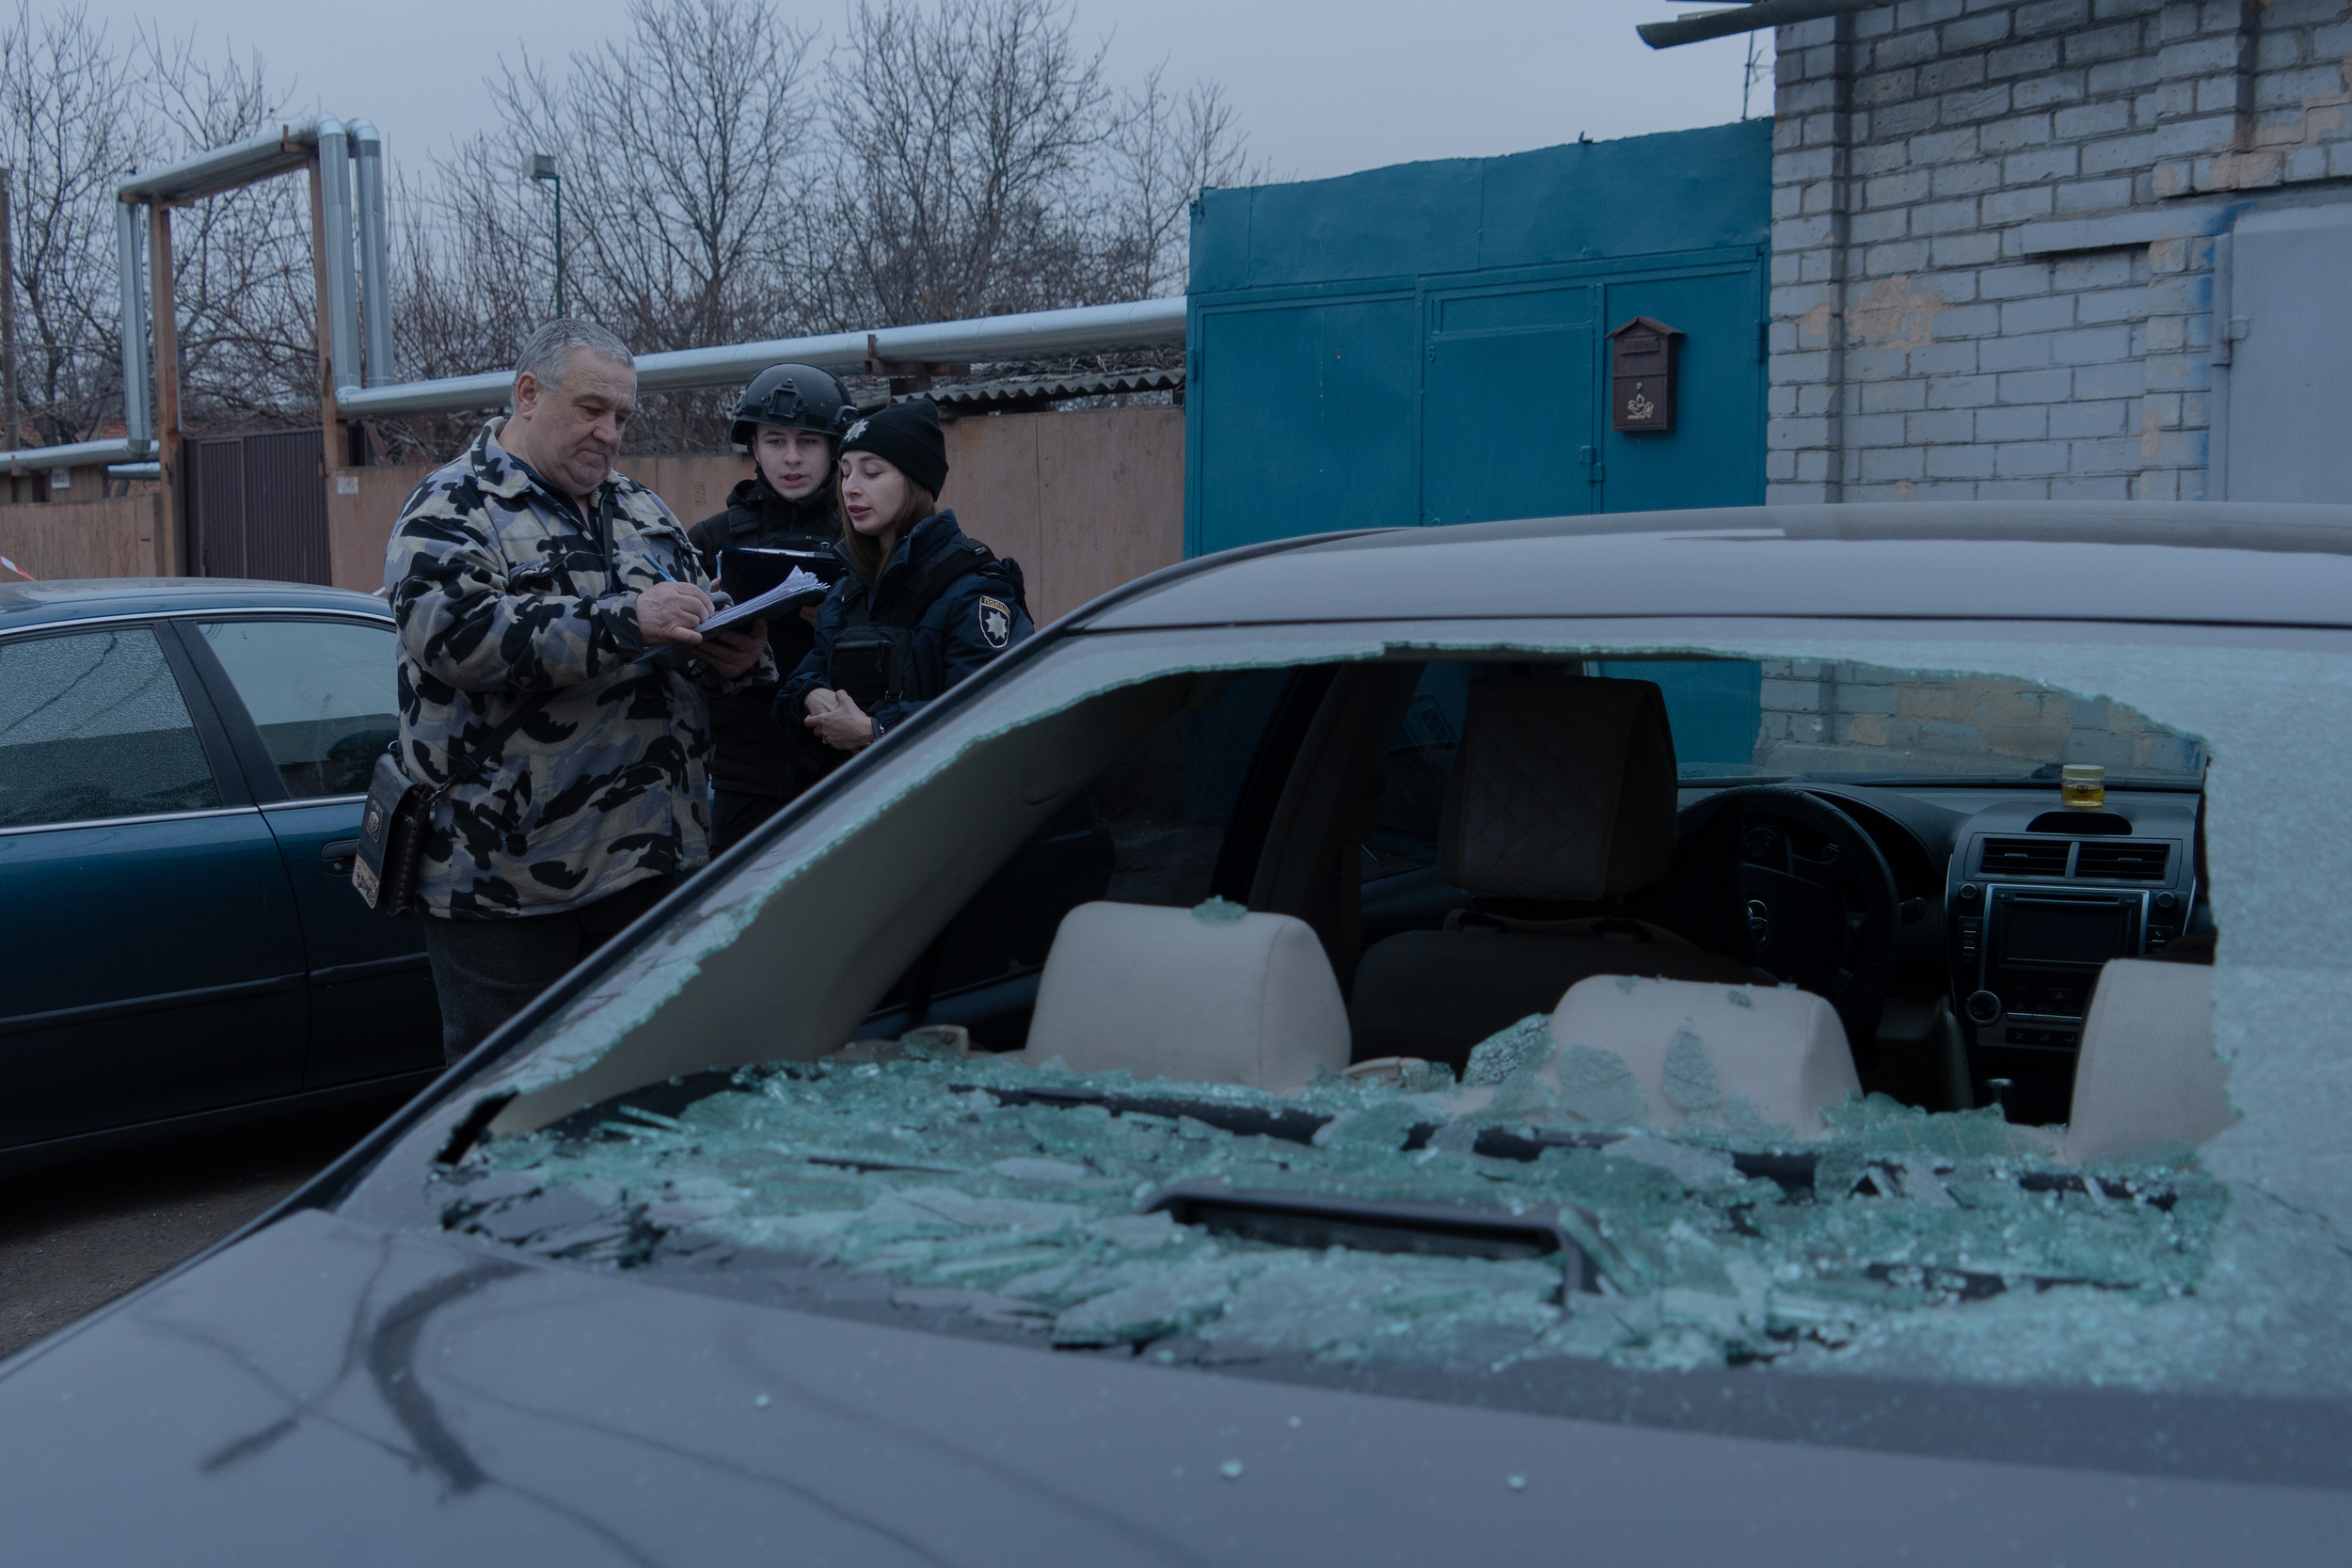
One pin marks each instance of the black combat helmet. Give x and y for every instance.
(801, 397)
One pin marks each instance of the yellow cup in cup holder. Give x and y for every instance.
(2083, 786)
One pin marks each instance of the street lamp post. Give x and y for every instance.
(543, 167)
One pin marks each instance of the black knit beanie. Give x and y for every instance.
(907, 436)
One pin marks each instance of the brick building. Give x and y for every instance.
(2000, 231)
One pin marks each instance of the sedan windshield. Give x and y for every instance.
(1731, 1003)
(1062, 1202)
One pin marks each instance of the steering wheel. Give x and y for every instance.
(1821, 904)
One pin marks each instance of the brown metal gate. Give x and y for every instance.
(257, 506)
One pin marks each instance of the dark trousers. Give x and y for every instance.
(486, 971)
(732, 815)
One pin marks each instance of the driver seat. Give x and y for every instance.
(1562, 794)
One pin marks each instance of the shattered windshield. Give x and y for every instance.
(1043, 1194)
(1867, 1144)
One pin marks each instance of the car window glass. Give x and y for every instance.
(1775, 720)
(93, 725)
(1414, 773)
(1146, 831)
(321, 692)
(1715, 707)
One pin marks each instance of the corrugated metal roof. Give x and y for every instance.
(1021, 393)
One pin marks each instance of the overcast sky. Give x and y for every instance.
(1322, 88)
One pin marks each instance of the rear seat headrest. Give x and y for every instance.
(1215, 997)
(1744, 1058)
(1563, 789)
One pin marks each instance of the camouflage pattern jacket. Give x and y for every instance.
(505, 599)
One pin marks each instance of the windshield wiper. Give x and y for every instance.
(1298, 1127)
(1793, 1172)
(1312, 1222)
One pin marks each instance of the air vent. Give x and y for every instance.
(2025, 857)
(2123, 862)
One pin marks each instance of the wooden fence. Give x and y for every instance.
(1085, 500)
(125, 536)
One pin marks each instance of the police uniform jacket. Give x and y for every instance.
(976, 618)
(753, 757)
(504, 597)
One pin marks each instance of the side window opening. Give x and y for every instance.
(1246, 798)
(1148, 828)
(1419, 760)
(321, 692)
(1715, 706)
(1737, 898)
(1162, 852)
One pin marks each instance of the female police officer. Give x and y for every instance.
(789, 418)
(920, 608)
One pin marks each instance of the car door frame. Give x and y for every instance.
(269, 791)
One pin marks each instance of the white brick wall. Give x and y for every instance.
(1847, 717)
(1992, 234)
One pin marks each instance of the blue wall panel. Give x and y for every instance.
(1298, 454)
(1685, 190)
(1423, 344)
(1506, 402)
(1714, 456)
(1387, 222)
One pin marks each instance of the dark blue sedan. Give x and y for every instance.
(181, 768)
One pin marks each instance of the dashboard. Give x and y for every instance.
(2018, 903)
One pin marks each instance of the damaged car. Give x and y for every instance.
(1809, 1033)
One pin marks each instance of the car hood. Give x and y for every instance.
(325, 1391)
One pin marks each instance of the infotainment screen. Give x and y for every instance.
(2053, 931)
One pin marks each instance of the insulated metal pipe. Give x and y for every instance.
(342, 309)
(375, 293)
(226, 168)
(76, 455)
(1032, 335)
(131, 259)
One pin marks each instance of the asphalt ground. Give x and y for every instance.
(74, 1237)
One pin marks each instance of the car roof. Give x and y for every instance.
(34, 604)
(2216, 563)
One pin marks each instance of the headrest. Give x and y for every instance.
(1734, 1058)
(1212, 996)
(1563, 790)
(2146, 1074)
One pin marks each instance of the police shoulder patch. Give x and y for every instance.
(996, 621)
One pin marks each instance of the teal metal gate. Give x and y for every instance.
(1425, 344)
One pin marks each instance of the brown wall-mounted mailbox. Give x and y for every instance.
(1642, 356)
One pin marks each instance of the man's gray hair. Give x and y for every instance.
(549, 350)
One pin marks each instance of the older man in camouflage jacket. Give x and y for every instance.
(550, 677)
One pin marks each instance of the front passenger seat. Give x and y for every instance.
(2146, 1075)
(1562, 795)
(1208, 995)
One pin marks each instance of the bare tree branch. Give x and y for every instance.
(973, 161)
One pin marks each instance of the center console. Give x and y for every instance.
(2036, 901)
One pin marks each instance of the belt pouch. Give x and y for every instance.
(393, 826)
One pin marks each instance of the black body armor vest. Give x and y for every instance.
(873, 657)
